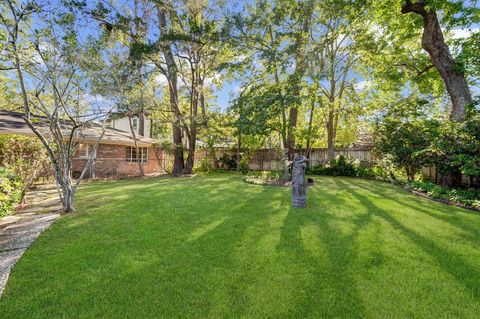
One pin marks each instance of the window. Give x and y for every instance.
(131, 154)
(86, 150)
(135, 124)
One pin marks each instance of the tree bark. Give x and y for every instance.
(193, 123)
(330, 137)
(172, 77)
(298, 75)
(309, 130)
(434, 43)
(292, 125)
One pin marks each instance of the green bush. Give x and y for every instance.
(10, 192)
(206, 165)
(468, 197)
(366, 172)
(26, 158)
(244, 164)
(228, 162)
(340, 166)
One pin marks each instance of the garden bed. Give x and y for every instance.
(270, 182)
(446, 201)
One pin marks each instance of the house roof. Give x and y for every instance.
(13, 123)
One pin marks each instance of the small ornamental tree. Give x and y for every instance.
(50, 70)
(456, 149)
(405, 142)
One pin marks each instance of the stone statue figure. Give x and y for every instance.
(299, 183)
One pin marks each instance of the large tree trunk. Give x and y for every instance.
(330, 136)
(191, 148)
(434, 43)
(300, 68)
(309, 130)
(292, 125)
(172, 77)
(193, 121)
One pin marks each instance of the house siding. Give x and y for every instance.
(124, 125)
(111, 161)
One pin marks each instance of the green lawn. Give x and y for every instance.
(212, 246)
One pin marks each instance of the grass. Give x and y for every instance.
(214, 247)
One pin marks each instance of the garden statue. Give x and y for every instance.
(299, 184)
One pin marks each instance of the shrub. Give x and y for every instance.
(206, 165)
(468, 197)
(10, 192)
(403, 135)
(366, 172)
(228, 162)
(340, 166)
(25, 157)
(456, 149)
(244, 164)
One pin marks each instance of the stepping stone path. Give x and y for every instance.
(18, 231)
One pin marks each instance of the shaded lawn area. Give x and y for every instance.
(212, 246)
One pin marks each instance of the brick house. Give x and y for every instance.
(116, 154)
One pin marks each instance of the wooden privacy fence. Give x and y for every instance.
(271, 159)
(431, 173)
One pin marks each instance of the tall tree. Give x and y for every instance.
(164, 10)
(303, 13)
(433, 42)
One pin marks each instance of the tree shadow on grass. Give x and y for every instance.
(451, 262)
(172, 246)
(454, 216)
(208, 251)
(332, 292)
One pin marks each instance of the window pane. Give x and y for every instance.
(144, 154)
(128, 154)
(134, 154)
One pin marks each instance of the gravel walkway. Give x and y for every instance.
(18, 231)
(16, 238)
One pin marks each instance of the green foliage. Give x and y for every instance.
(456, 148)
(206, 165)
(403, 135)
(10, 191)
(244, 164)
(468, 197)
(228, 161)
(26, 158)
(366, 172)
(340, 166)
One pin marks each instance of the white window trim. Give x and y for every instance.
(130, 159)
